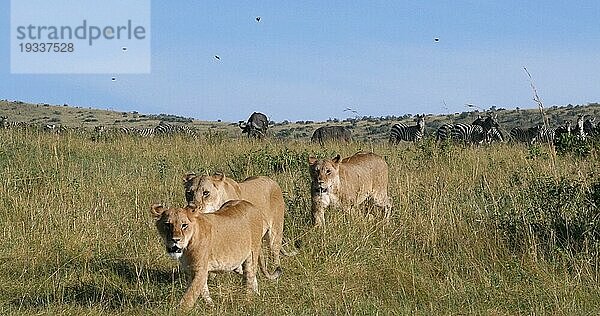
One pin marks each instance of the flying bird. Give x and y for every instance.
(258, 19)
(113, 79)
(124, 49)
(436, 39)
(351, 110)
(217, 57)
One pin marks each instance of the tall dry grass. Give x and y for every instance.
(78, 238)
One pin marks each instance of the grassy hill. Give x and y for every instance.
(363, 128)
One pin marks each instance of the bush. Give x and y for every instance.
(550, 214)
(570, 144)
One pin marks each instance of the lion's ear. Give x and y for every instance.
(336, 159)
(157, 210)
(219, 176)
(312, 160)
(188, 177)
(192, 209)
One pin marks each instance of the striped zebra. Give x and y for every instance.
(164, 128)
(144, 132)
(525, 135)
(474, 134)
(494, 135)
(56, 129)
(580, 131)
(5, 123)
(413, 133)
(566, 129)
(468, 133)
(545, 135)
(589, 127)
(135, 131)
(443, 132)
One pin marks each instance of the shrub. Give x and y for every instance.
(570, 144)
(550, 214)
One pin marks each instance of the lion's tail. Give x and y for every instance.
(265, 270)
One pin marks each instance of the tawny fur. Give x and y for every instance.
(210, 192)
(221, 241)
(348, 182)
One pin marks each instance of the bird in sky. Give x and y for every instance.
(217, 57)
(258, 19)
(124, 49)
(436, 39)
(351, 110)
(113, 79)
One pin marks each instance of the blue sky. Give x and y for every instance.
(309, 60)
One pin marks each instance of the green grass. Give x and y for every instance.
(78, 237)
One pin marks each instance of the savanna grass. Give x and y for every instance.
(78, 237)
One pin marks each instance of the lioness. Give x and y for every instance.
(208, 193)
(222, 241)
(348, 182)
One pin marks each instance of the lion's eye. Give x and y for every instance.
(205, 193)
(328, 171)
(184, 226)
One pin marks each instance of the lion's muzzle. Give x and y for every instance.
(174, 249)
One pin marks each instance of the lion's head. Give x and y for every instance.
(324, 174)
(176, 226)
(204, 191)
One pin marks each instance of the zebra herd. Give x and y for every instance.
(162, 129)
(51, 128)
(583, 129)
(481, 130)
(487, 130)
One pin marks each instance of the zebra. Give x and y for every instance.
(525, 135)
(468, 133)
(144, 132)
(474, 134)
(580, 132)
(589, 127)
(545, 135)
(562, 130)
(493, 134)
(413, 133)
(443, 132)
(164, 128)
(56, 129)
(5, 123)
(134, 131)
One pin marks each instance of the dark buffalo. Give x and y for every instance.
(256, 126)
(331, 133)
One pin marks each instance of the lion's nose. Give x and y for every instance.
(175, 240)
